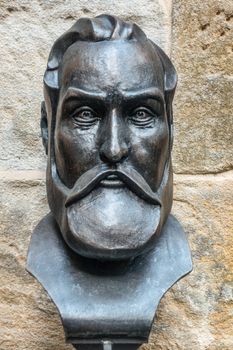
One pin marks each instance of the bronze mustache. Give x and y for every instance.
(129, 176)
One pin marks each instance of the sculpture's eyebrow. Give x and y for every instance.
(73, 92)
(153, 93)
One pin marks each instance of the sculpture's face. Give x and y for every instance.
(111, 144)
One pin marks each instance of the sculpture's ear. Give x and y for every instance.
(170, 79)
(170, 82)
(44, 126)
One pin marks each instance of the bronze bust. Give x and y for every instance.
(107, 128)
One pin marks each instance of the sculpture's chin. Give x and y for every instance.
(111, 224)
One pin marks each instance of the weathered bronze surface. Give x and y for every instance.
(107, 128)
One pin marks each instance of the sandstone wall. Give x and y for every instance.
(197, 313)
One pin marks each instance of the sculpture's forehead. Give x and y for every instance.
(111, 65)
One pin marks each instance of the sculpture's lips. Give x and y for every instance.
(112, 181)
(111, 177)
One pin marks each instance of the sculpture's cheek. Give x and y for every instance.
(149, 149)
(75, 153)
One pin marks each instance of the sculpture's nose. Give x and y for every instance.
(113, 148)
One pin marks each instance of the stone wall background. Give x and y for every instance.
(197, 313)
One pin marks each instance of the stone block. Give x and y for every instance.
(203, 116)
(202, 52)
(29, 319)
(196, 314)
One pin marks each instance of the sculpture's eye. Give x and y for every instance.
(142, 117)
(84, 117)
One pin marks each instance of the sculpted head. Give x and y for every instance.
(107, 128)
